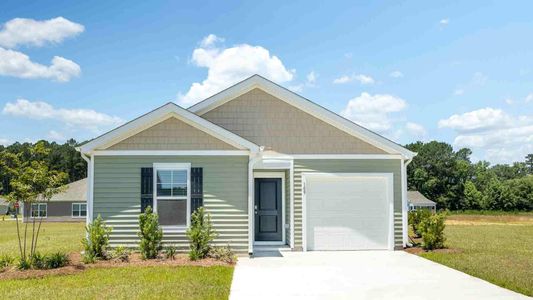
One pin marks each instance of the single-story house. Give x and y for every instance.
(68, 206)
(270, 166)
(416, 201)
(4, 206)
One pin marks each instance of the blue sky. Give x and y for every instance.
(457, 72)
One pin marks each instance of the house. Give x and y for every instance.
(4, 206)
(271, 167)
(68, 206)
(416, 201)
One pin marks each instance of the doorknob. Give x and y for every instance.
(255, 209)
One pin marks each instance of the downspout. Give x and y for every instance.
(405, 228)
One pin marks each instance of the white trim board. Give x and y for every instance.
(158, 115)
(171, 153)
(390, 196)
(302, 103)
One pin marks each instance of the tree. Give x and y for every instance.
(32, 181)
(529, 163)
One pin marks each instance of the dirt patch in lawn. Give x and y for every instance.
(76, 265)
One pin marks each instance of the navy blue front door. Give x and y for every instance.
(268, 209)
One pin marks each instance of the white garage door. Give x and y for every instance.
(348, 211)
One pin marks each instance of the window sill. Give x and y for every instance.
(174, 229)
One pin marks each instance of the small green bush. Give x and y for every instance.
(170, 252)
(200, 234)
(56, 260)
(150, 234)
(23, 264)
(432, 230)
(88, 258)
(416, 217)
(38, 261)
(223, 253)
(97, 240)
(6, 261)
(121, 254)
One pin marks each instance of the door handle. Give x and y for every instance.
(255, 209)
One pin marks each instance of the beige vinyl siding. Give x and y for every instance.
(117, 196)
(268, 121)
(347, 166)
(172, 134)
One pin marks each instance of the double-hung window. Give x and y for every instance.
(79, 210)
(39, 210)
(172, 194)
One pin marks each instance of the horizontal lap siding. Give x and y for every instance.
(117, 196)
(347, 166)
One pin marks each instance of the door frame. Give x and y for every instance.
(390, 196)
(277, 175)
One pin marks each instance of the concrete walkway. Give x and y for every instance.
(356, 275)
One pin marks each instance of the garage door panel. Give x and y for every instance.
(347, 212)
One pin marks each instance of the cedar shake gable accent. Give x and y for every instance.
(268, 121)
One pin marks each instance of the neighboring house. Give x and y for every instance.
(271, 167)
(417, 200)
(68, 206)
(4, 206)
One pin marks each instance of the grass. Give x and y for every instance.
(127, 283)
(496, 251)
(53, 237)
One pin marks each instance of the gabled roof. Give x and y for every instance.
(416, 198)
(160, 114)
(76, 191)
(304, 104)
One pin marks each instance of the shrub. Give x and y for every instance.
(23, 264)
(122, 254)
(38, 261)
(97, 240)
(56, 260)
(432, 230)
(223, 253)
(150, 234)
(88, 258)
(200, 234)
(6, 261)
(170, 252)
(415, 217)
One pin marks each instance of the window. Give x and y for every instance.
(172, 194)
(39, 210)
(79, 210)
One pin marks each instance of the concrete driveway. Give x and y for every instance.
(356, 275)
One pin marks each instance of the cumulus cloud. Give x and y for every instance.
(374, 111)
(227, 66)
(32, 32)
(17, 64)
(396, 74)
(311, 77)
(416, 130)
(444, 22)
(79, 118)
(503, 137)
(363, 79)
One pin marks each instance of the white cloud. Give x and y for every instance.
(416, 130)
(17, 64)
(311, 77)
(509, 101)
(4, 142)
(529, 98)
(444, 22)
(210, 40)
(363, 79)
(374, 111)
(503, 137)
(80, 118)
(56, 136)
(396, 74)
(227, 66)
(31, 32)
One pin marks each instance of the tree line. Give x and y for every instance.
(440, 173)
(449, 178)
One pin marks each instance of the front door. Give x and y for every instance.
(268, 211)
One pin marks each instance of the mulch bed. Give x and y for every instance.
(76, 265)
(420, 250)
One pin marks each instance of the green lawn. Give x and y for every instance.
(501, 254)
(53, 237)
(127, 283)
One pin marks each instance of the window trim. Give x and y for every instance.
(38, 209)
(174, 166)
(72, 210)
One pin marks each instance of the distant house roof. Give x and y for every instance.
(417, 199)
(76, 191)
(3, 202)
